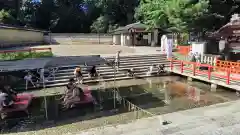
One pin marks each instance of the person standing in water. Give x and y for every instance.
(117, 59)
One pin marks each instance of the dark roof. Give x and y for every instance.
(126, 28)
(30, 64)
(230, 29)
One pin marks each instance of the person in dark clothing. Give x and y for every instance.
(92, 72)
(10, 92)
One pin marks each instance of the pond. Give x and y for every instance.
(153, 95)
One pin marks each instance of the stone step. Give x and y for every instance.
(97, 80)
(138, 58)
(138, 55)
(102, 73)
(102, 78)
(140, 62)
(125, 62)
(142, 67)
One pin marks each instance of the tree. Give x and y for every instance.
(6, 17)
(27, 14)
(171, 15)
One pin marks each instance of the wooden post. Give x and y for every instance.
(228, 76)
(181, 66)
(171, 64)
(194, 69)
(209, 72)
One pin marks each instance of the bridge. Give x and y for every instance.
(206, 73)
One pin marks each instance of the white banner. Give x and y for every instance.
(169, 48)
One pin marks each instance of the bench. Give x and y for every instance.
(22, 104)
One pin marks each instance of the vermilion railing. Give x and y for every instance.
(209, 70)
(27, 50)
(225, 65)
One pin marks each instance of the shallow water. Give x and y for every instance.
(149, 94)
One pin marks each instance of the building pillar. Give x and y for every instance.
(149, 38)
(122, 40)
(213, 87)
(155, 37)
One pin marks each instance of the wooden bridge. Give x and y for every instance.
(208, 73)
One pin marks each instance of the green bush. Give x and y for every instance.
(24, 55)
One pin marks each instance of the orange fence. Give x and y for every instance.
(184, 50)
(225, 65)
(195, 69)
(27, 50)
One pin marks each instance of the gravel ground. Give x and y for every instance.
(74, 50)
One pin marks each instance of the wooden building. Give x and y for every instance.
(229, 35)
(135, 34)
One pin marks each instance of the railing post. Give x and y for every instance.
(171, 64)
(228, 76)
(209, 72)
(194, 69)
(181, 67)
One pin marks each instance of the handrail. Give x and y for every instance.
(26, 50)
(194, 67)
(224, 65)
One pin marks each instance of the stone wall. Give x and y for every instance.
(15, 36)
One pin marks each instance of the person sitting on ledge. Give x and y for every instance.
(76, 96)
(150, 71)
(78, 74)
(10, 92)
(8, 97)
(160, 68)
(28, 78)
(92, 72)
(68, 92)
(130, 72)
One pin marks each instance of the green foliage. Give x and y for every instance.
(6, 17)
(171, 15)
(100, 25)
(105, 15)
(24, 55)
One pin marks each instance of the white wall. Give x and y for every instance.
(11, 36)
(117, 39)
(79, 38)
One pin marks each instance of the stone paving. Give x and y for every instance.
(220, 119)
